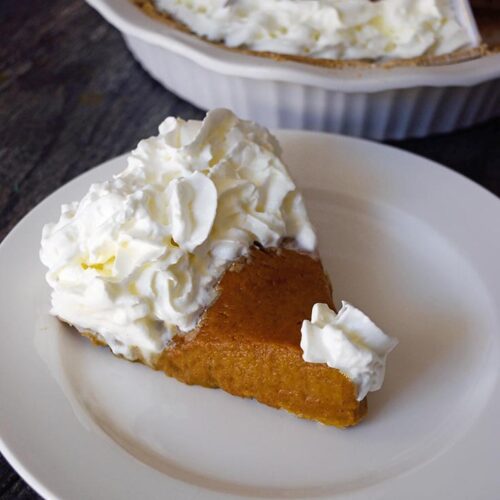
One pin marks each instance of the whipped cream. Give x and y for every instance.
(332, 29)
(348, 341)
(137, 260)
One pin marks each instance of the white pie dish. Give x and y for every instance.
(398, 240)
(375, 102)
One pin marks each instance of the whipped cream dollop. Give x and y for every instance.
(137, 260)
(332, 29)
(348, 341)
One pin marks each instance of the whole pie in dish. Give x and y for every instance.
(334, 33)
(200, 261)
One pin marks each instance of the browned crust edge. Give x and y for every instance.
(460, 55)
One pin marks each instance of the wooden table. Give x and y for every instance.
(71, 96)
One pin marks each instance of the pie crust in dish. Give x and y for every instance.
(148, 7)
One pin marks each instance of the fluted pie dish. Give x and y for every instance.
(362, 100)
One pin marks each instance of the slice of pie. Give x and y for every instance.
(199, 260)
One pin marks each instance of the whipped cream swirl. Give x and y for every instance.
(332, 29)
(350, 342)
(137, 260)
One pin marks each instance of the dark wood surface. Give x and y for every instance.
(71, 96)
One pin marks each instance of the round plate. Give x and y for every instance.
(413, 244)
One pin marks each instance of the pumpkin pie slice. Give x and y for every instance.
(199, 260)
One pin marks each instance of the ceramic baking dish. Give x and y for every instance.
(375, 102)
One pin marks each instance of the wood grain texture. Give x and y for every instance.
(71, 96)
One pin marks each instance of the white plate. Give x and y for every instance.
(413, 244)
